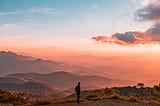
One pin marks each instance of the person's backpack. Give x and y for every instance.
(76, 89)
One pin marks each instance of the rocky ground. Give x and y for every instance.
(105, 102)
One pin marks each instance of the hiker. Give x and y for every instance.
(78, 90)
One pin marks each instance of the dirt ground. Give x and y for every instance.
(106, 102)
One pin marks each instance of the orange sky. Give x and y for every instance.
(67, 29)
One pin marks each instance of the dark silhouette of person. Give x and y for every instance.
(78, 91)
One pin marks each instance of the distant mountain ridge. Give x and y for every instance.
(13, 56)
(11, 62)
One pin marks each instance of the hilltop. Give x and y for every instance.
(115, 96)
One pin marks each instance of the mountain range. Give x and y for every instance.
(56, 82)
(11, 62)
(25, 73)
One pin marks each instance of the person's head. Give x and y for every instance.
(78, 83)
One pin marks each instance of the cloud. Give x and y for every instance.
(150, 36)
(32, 10)
(143, 2)
(41, 10)
(4, 27)
(94, 6)
(146, 2)
(150, 12)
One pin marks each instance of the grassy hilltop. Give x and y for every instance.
(143, 95)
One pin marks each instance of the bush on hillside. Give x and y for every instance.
(91, 97)
(132, 99)
(7, 97)
(114, 96)
(41, 101)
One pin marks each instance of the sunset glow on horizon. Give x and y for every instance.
(83, 32)
(72, 25)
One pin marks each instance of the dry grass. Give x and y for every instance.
(41, 101)
(130, 94)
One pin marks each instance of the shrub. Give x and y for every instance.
(6, 104)
(132, 99)
(107, 90)
(6, 97)
(41, 101)
(91, 97)
(65, 100)
(157, 88)
(114, 96)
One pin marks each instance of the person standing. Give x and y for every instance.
(78, 91)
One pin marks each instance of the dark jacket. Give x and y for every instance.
(78, 89)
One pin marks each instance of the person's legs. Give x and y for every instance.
(78, 97)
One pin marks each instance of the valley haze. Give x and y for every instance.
(111, 67)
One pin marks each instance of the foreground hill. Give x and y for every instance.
(115, 96)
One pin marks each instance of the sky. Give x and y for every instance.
(80, 25)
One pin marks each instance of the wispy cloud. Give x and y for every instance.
(146, 2)
(31, 10)
(143, 2)
(4, 27)
(94, 6)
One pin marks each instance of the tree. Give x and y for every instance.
(140, 85)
